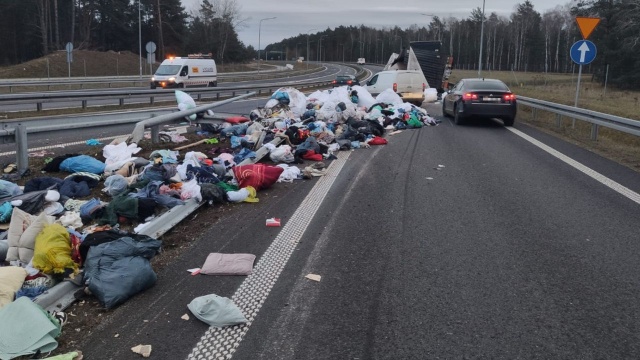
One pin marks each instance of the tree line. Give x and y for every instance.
(526, 40)
(34, 28)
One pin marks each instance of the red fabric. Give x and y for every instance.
(259, 176)
(75, 248)
(377, 140)
(236, 119)
(312, 155)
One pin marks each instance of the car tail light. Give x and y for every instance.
(349, 82)
(424, 87)
(470, 96)
(334, 82)
(395, 87)
(509, 97)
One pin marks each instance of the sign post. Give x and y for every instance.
(69, 48)
(151, 56)
(583, 52)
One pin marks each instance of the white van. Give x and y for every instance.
(181, 72)
(409, 84)
(361, 61)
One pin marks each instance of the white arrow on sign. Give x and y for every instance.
(583, 51)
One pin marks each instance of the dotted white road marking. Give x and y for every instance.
(622, 190)
(221, 343)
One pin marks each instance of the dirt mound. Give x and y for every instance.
(85, 63)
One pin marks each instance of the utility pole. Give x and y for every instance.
(307, 59)
(259, 31)
(481, 41)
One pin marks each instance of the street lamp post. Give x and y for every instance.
(259, 31)
(382, 51)
(481, 41)
(308, 47)
(430, 15)
(318, 58)
(140, 37)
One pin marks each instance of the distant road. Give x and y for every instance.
(328, 73)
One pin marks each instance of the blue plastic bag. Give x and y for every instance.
(82, 163)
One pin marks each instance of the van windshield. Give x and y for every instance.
(168, 70)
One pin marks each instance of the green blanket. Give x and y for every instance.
(25, 329)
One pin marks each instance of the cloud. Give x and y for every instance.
(297, 17)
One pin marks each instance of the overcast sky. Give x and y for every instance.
(295, 17)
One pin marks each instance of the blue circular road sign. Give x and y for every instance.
(583, 52)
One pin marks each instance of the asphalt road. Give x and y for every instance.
(503, 252)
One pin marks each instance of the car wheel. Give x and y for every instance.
(457, 118)
(508, 121)
(181, 85)
(444, 111)
(153, 87)
(211, 84)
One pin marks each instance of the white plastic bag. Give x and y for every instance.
(283, 154)
(190, 190)
(289, 174)
(185, 102)
(430, 95)
(389, 96)
(364, 97)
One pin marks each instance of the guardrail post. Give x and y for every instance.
(151, 100)
(199, 97)
(84, 104)
(217, 96)
(558, 120)
(121, 101)
(594, 132)
(22, 156)
(155, 134)
(233, 94)
(534, 114)
(39, 106)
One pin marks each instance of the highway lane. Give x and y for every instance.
(504, 251)
(329, 72)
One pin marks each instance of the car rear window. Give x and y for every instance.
(485, 85)
(344, 78)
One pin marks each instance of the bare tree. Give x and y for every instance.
(42, 15)
(158, 19)
(57, 25)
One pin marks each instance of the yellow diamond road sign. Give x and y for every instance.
(586, 25)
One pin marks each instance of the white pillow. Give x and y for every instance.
(22, 233)
(11, 280)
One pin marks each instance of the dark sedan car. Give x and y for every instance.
(480, 98)
(349, 80)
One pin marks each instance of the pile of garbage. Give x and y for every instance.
(55, 230)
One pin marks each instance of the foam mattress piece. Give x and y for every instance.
(228, 264)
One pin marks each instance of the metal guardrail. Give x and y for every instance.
(19, 132)
(596, 119)
(198, 93)
(144, 81)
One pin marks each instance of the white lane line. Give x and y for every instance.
(221, 343)
(622, 190)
